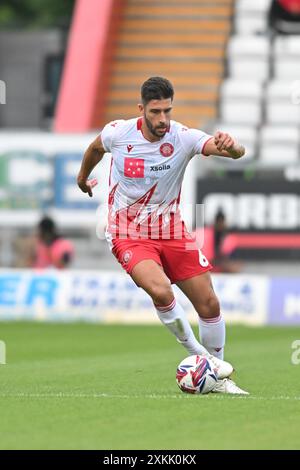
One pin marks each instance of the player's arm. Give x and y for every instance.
(222, 144)
(91, 158)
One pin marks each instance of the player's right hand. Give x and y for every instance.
(86, 186)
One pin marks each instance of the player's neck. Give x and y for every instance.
(147, 134)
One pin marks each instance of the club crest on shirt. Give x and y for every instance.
(127, 256)
(166, 149)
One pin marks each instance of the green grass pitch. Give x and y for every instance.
(83, 386)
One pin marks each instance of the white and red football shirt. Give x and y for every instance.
(145, 177)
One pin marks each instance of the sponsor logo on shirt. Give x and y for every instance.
(159, 167)
(134, 167)
(166, 150)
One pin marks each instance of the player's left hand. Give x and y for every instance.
(223, 141)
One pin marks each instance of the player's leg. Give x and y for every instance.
(150, 276)
(200, 292)
(186, 266)
(211, 325)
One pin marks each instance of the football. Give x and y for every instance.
(195, 374)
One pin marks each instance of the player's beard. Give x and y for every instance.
(152, 129)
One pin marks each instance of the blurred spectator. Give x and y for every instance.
(44, 250)
(284, 16)
(221, 261)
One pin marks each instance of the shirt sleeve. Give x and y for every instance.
(109, 133)
(193, 140)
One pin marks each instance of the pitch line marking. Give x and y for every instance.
(148, 396)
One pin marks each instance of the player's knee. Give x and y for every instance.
(161, 294)
(210, 308)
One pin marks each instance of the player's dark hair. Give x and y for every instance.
(156, 88)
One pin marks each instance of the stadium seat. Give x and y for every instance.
(286, 68)
(241, 111)
(282, 106)
(249, 6)
(279, 145)
(279, 89)
(241, 101)
(287, 45)
(246, 89)
(242, 92)
(287, 57)
(245, 24)
(251, 17)
(279, 112)
(249, 46)
(248, 57)
(246, 135)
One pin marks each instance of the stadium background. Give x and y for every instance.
(64, 73)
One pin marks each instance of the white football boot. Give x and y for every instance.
(229, 387)
(222, 368)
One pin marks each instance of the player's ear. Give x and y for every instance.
(141, 107)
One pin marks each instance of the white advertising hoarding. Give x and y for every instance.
(108, 296)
